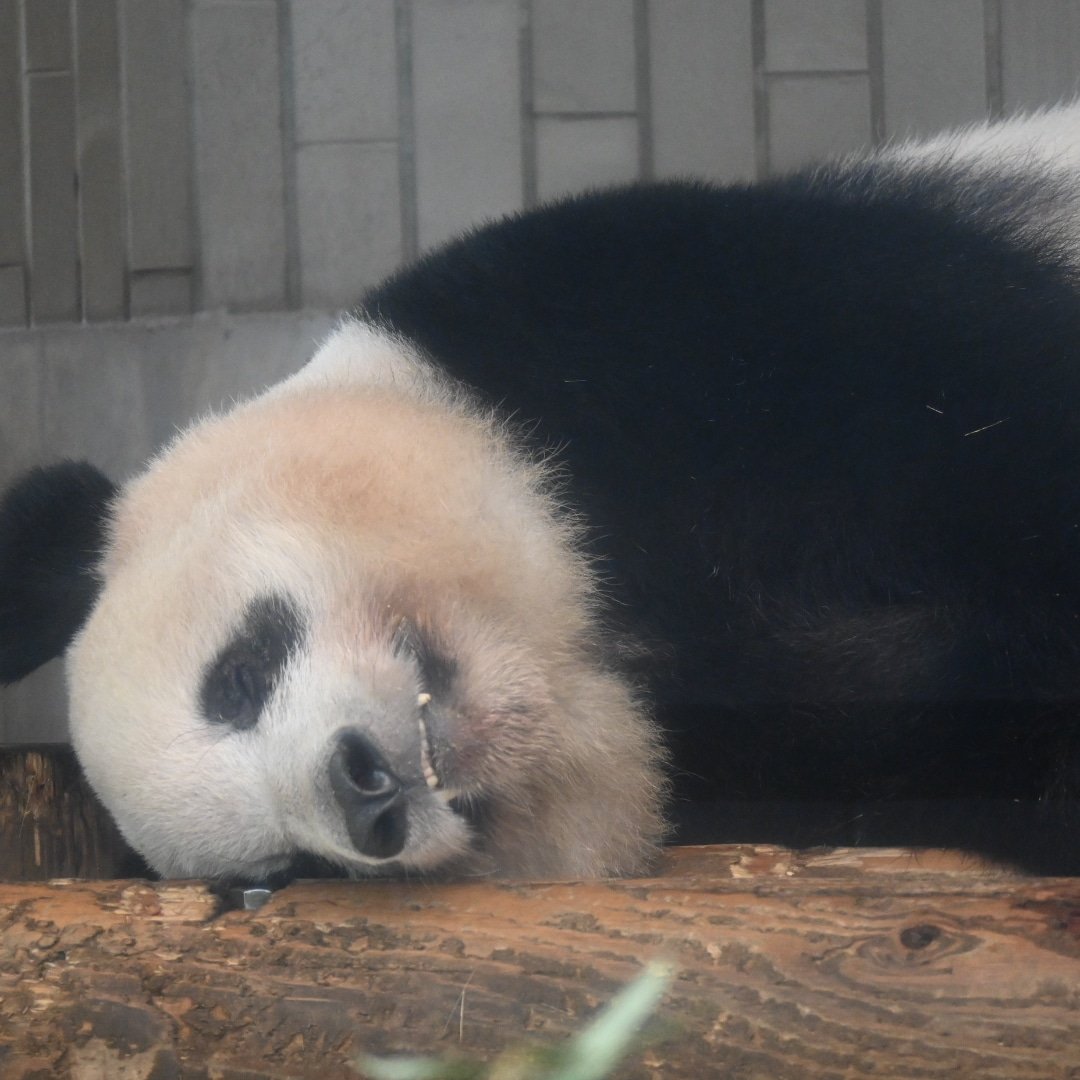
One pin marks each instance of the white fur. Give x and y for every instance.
(1050, 138)
(360, 353)
(1042, 146)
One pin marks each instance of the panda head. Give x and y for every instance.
(341, 620)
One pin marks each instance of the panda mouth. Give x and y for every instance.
(428, 764)
(427, 767)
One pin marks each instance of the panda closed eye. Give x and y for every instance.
(239, 680)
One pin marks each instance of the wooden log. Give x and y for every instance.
(823, 965)
(51, 824)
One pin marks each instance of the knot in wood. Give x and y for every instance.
(919, 937)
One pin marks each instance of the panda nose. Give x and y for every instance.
(370, 795)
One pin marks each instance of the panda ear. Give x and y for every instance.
(52, 531)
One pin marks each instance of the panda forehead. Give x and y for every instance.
(342, 490)
(344, 457)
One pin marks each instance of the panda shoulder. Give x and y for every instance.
(1044, 139)
(360, 353)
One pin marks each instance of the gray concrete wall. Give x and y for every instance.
(177, 157)
(268, 154)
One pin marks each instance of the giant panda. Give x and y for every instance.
(671, 511)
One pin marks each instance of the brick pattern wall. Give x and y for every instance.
(170, 156)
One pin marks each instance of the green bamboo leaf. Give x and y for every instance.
(593, 1053)
(590, 1055)
(416, 1068)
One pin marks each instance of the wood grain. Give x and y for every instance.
(842, 964)
(51, 825)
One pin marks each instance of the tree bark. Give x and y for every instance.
(51, 824)
(835, 965)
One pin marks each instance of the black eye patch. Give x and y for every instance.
(437, 670)
(240, 679)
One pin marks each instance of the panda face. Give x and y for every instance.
(304, 645)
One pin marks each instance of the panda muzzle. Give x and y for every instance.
(370, 795)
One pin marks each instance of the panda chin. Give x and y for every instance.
(447, 834)
(303, 865)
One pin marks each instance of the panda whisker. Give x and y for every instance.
(200, 733)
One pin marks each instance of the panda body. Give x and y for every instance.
(777, 482)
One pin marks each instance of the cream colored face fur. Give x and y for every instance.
(367, 494)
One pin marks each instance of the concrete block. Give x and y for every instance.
(236, 356)
(812, 118)
(935, 65)
(92, 404)
(575, 154)
(1040, 50)
(101, 172)
(349, 208)
(826, 35)
(157, 117)
(583, 56)
(160, 292)
(467, 104)
(192, 366)
(238, 155)
(114, 392)
(48, 35)
(20, 448)
(20, 403)
(344, 58)
(701, 80)
(53, 220)
(11, 159)
(35, 710)
(31, 711)
(12, 296)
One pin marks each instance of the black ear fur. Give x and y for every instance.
(52, 529)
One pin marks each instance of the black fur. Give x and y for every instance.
(241, 678)
(52, 525)
(828, 439)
